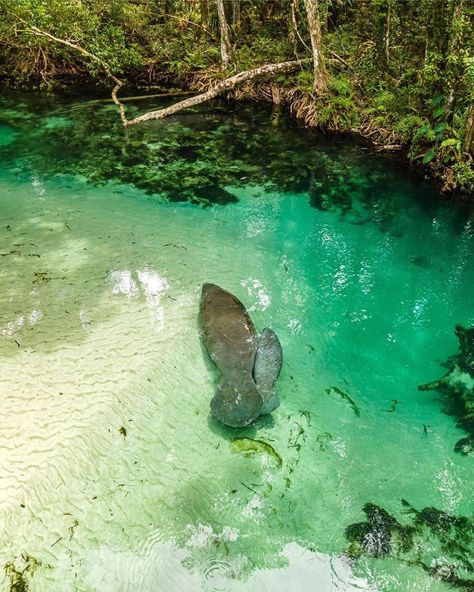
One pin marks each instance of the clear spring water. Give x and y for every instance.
(112, 475)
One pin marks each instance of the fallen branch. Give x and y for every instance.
(390, 147)
(338, 58)
(218, 89)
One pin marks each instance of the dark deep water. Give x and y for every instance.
(112, 475)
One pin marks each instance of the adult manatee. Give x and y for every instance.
(231, 340)
(268, 361)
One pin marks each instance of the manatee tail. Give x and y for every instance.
(236, 404)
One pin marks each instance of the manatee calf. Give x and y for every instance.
(266, 370)
(231, 340)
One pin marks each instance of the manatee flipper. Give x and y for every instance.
(267, 366)
(236, 404)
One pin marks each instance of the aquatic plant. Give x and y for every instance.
(457, 387)
(345, 397)
(440, 543)
(198, 157)
(17, 572)
(250, 446)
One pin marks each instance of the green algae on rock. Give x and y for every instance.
(18, 574)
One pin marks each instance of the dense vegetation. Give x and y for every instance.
(398, 73)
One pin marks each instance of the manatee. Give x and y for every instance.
(231, 340)
(266, 370)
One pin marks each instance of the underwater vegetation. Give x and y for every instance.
(250, 446)
(457, 387)
(18, 575)
(345, 397)
(438, 542)
(197, 157)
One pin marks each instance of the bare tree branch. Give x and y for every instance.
(105, 66)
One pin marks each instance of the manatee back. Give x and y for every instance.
(267, 367)
(228, 331)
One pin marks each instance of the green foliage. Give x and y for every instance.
(338, 109)
(305, 80)
(407, 126)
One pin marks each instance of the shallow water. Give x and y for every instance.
(112, 475)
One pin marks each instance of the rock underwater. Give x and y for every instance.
(249, 365)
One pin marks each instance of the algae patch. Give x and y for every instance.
(440, 543)
(249, 446)
(457, 387)
(17, 576)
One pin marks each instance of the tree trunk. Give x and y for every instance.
(218, 89)
(387, 32)
(226, 50)
(236, 15)
(293, 29)
(320, 73)
(469, 131)
(324, 16)
(204, 10)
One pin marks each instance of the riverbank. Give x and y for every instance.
(341, 111)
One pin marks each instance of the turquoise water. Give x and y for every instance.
(113, 475)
